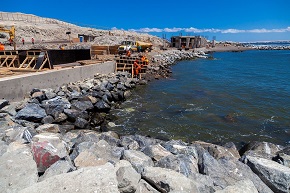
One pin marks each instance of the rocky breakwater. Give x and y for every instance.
(55, 141)
(160, 63)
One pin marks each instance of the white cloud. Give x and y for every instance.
(211, 30)
(175, 29)
(233, 31)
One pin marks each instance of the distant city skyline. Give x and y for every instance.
(243, 21)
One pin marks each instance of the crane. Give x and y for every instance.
(11, 33)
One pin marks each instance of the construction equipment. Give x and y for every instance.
(133, 46)
(11, 33)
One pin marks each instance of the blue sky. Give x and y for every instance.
(243, 20)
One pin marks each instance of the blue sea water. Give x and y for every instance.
(236, 97)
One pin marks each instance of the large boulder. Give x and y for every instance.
(244, 186)
(208, 165)
(218, 151)
(59, 167)
(240, 171)
(91, 179)
(48, 148)
(275, 175)
(156, 152)
(97, 152)
(18, 169)
(144, 187)
(127, 177)
(31, 112)
(83, 105)
(184, 164)
(261, 149)
(166, 180)
(138, 159)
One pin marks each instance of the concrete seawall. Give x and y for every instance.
(16, 87)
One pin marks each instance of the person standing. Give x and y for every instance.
(23, 41)
(32, 40)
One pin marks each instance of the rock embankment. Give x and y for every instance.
(56, 141)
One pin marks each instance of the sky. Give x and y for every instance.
(223, 20)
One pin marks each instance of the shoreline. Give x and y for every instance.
(49, 130)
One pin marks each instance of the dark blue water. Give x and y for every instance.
(238, 97)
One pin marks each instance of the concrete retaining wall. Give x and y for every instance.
(16, 87)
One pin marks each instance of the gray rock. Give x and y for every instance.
(110, 137)
(49, 93)
(91, 179)
(102, 106)
(218, 151)
(17, 133)
(57, 101)
(156, 152)
(47, 120)
(283, 157)
(166, 180)
(3, 147)
(73, 114)
(59, 167)
(211, 167)
(128, 143)
(88, 159)
(11, 108)
(244, 186)
(180, 147)
(128, 178)
(82, 105)
(240, 171)
(40, 96)
(51, 128)
(144, 187)
(3, 103)
(204, 183)
(101, 150)
(184, 164)
(81, 123)
(127, 94)
(138, 159)
(262, 149)
(145, 141)
(18, 169)
(31, 112)
(275, 175)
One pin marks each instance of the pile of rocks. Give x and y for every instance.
(160, 63)
(53, 142)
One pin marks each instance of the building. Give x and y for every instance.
(188, 42)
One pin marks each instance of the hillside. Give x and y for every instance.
(50, 33)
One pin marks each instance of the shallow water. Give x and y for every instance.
(238, 97)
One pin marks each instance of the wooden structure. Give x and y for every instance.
(36, 59)
(103, 50)
(9, 59)
(126, 64)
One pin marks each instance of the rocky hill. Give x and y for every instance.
(49, 33)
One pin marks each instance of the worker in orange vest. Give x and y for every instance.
(144, 60)
(128, 53)
(2, 47)
(136, 67)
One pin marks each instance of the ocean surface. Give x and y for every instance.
(236, 97)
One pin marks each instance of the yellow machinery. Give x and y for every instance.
(133, 46)
(11, 33)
